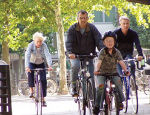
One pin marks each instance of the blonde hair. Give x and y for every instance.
(123, 18)
(39, 36)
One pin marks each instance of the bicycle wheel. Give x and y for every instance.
(38, 98)
(80, 100)
(125, 88)
(51, 87)
(90, 96)
(23, 88)
(133, 95)
(113, 105)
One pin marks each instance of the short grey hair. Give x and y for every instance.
(39, 35)
(123, 18)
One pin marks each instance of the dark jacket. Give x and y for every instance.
(83, 44)
(125, 44)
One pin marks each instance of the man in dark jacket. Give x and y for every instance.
(126, 38)
(82, 39)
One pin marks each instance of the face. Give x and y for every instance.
(109, 42)
(82, 19)
(38, 42)
(124, 24)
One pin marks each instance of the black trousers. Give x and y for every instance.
(42, 77)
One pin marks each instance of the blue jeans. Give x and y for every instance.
(42, 77)
(131, 63)
(100, 89)
(75, 67)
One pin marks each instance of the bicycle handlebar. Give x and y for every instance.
(39, 69)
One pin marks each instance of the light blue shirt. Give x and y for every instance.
(31, 50)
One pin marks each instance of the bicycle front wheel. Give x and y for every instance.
(125, 92)
(133, 94)
(38, 99)
(80, 100)
(90, 96)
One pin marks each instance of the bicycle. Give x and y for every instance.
(111, 97)
(130, 88)
(84, 85)
(143, 78)
(38, 90)
(23, 88)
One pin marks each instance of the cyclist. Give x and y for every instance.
(82, 39)
(126, 38)
(35, 56)
(106, 64)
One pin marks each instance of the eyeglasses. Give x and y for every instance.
(83, 18)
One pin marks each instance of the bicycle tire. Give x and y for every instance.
(51, 87)
(125, 88)
(80, 100)
(38, 98)
(90, 96)
(23, 88)
(133, 94)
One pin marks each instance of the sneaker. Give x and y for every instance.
(44, 104)
(120, 106)
(31, 95)
(96, 110)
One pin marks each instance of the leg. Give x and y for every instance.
(75, 66)
(99, 82)
(117, 81)
(31, 80)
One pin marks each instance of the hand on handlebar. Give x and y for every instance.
(139, 58)
(28, 69)
(96, 72)
(50, 68)
(127, 73)
(72, 56)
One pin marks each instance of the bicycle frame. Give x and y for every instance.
(39, 91)
(84, 82)
(110, 96)
(130, 88)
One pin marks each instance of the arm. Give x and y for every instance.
(98, 38)
(27, 57)
(47, 55)
(138, 46)
(123, 66)
(98, 65)
(69, 40)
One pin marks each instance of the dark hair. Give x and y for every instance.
(109, 34)
(83, 12)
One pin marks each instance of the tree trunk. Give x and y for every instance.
(5, 52)
(61, 51)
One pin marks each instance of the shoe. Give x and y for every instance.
(31, 95)
(44, 104)
(74, 92)
(96, 110)
(120, 106)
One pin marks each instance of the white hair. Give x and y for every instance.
(39, 35)
(123, 18)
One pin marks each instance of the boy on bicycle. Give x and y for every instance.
(107, 64)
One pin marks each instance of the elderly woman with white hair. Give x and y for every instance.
(35, 56)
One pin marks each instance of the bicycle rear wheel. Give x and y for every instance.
(125, 88)
(90, 96)
(133, 94)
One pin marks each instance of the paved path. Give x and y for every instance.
(64, 105)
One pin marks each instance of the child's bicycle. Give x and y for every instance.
(111, 104)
